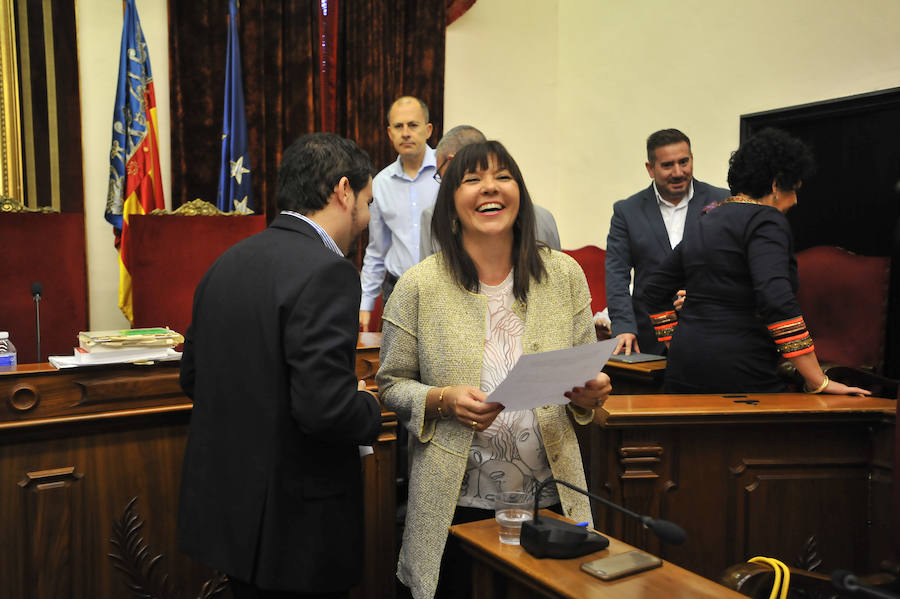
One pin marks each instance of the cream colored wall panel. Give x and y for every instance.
(99, 38)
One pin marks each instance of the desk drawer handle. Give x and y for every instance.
(640, 461)
(24, 397)
(49, 479)
(641, 452)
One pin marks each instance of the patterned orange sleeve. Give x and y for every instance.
(664, 324)
(791, 337)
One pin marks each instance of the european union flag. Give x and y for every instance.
(234, 172)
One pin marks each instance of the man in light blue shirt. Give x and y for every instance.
(402, 191)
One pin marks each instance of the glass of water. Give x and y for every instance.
(511, 509)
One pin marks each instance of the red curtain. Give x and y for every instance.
(278, 43)
(457, 8)
(305, 69)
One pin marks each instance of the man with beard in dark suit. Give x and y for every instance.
(272, 491)
(644, 230)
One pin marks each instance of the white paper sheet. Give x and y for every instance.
(541, 379)
(157, 355)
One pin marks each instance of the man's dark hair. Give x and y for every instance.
(313, 165)
(409, 99)
(664, 137)
(770, 156)
(526, 259)
(454, 139)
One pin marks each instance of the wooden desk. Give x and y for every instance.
(634, 379)
(368, 350)
(508, 571)
(77, 444)
(747, 479)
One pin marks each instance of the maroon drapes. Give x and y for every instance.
(278, 41)
(389, 49)
(374, 51)
(456, 9)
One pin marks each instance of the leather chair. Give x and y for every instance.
(844, 299)
(49, 249)
(375, 319)
(170, 254)
(593, 262)
(755, 580)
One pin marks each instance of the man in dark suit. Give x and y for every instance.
(645, 228)
(271, 492)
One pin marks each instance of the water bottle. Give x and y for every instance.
(7, 352)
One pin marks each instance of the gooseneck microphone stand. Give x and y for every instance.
(847, 582)
(549, 537)
(36, 290)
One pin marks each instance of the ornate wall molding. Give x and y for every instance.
(10, 146)
(200, 207)
(11, 205)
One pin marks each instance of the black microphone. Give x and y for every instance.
(847, 582)
(37, 290)
(549, 537)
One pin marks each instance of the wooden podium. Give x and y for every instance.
(509, 572)
(803, 478)
(76, 445)
(639, 378)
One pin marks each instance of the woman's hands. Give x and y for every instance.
(468, 406)
(808, 367)
(836, 388)
(592, 394)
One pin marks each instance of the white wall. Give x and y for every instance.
(99, 39)
(501, 75)
(624, 69)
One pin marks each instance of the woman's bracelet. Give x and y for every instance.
(818, 389)
(440, 406)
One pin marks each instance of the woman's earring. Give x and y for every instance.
(454, 226)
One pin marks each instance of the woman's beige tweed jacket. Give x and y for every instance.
(434, 336)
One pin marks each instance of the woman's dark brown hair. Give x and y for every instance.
(526, 258)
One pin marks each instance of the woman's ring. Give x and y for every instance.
(474, 426)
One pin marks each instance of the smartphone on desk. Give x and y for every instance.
(622, 564)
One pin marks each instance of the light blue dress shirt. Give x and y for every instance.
(394, 221)
(326, 238)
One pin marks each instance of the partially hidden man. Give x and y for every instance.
(271, 492)
(644, 230)
(403, 189)
(451, 143)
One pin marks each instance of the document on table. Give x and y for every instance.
(541, 379)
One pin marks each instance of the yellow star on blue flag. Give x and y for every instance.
(241, 207)
(238, 170)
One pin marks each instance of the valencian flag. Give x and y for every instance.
(135, 184)
(234, 171)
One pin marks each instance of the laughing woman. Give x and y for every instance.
(456, 324)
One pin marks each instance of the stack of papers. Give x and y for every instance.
(129, 338)
(122, 346)
(79, 360)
